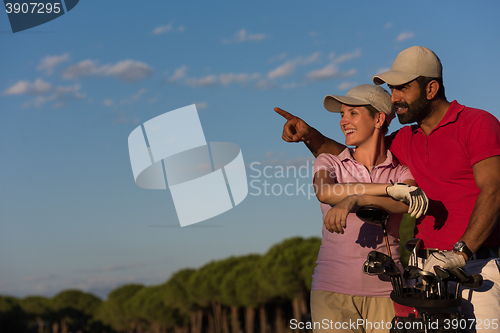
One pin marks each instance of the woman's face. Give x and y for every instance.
(357, 124)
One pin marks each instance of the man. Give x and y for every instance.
(454, 155)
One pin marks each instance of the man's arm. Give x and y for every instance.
(487, 208)
(297, 130)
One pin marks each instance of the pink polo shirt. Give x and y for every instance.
(341, 256)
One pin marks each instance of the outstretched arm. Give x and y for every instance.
(297, 130)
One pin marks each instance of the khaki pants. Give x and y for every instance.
(335, 312)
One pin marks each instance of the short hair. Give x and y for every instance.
(373, 112)
(424, 80)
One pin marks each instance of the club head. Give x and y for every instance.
(474, 281)
(373, 215)
(469, 281)
(460, 275)
(427, 277)
(372, 268)
(411, 272)
(377, 256)
(390, 268)
(442, 273)
(412, 243)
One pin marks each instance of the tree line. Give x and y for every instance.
(251, 293)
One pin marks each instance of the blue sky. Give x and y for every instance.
(73, 89)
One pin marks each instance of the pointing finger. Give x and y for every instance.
(283, 113)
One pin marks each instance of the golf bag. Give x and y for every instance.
(417, 314)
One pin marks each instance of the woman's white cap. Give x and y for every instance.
(365, 94)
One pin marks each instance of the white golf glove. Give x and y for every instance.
(410, 195)
(445, 259)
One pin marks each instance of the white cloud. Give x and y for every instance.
(25, 87)
(283, 70)
(242, 36)
(346, 85)
(326, 72)
(162, 29)
(226, 79)
(166, 28)
(68, 93)
(83, 68)
(345, 57)
(388, 25)
(330, 71)
(289, 67)
(206, 81)
(126, 70)
(130, 70)
(178, 74)
(45, 93)
(404, 36)
(50, 62)
(108, 102)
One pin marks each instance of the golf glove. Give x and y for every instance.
(410, 195)
(444, 259)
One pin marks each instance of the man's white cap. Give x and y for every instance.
(411, 63)
(365, 94)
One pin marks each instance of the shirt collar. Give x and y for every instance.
(450, 116)
(346, 155)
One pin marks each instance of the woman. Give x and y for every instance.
(341, 294)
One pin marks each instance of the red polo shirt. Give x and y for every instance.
(441, 164)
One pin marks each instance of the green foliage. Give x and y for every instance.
(205, 283)
(116, 311)
(241, 286)
(287, 266)
(12, 316)
(177, 293)
(406, 232)
(149, 305)
(75, 307)
(77, 300)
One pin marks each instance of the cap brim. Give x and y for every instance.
(394, 78)
(334, 103)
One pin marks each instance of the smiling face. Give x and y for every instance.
(410, 102)
(357, 124)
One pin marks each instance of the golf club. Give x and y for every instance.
(394, 273)
(376, 216)
(428, 279)
(443, 276)
(414, 245)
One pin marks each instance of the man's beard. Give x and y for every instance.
(416, 111)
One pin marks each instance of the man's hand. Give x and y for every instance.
(445, 259)
(336, 218)
(412, 196)
(295, 129)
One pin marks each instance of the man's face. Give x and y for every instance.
(410, 102)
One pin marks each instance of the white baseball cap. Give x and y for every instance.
(365, 94)
(411, 63)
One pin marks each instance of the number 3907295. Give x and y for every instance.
(32, 7)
